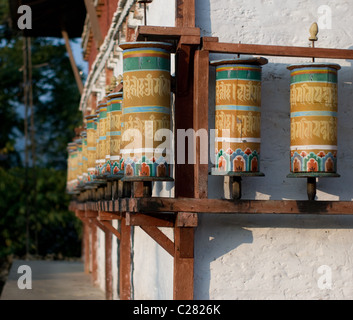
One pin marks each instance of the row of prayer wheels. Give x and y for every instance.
(120, 139)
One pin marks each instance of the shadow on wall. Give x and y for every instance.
(215, 242)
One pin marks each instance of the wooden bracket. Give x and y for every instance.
(140, 219)
(108, 226)
(158, 236)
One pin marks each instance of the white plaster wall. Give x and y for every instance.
(152, 267)
(273, 256)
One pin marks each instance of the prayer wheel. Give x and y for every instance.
(146, 109)
(91, 147)
(313, 118)
(238, 116)
(114, 116)
(102, 139)
(84, 157)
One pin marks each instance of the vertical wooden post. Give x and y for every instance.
(125, 260)
(187, 175)
(108, 265)
(183, 280)
(184, 173)
(185, 13)
(94, 252)
(86, 235)
(200, 121)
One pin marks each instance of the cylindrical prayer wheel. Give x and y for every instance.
(114, 109)
(146, 110)
(313, 116)
(238, 116)
(84, 157)
(102, 138)
(79, 173)
(91, 147)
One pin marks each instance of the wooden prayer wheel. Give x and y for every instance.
(313, 116)
(91, 147)
(238, 116)
(114, 107)
(146, 109)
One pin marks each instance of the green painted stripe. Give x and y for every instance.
(116, 107)
(314, 77)
(238, 74)
(144, 109)
(146, 63)
(238, 108)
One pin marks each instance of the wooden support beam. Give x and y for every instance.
(200, 122)
(153, 33)
(109, 227)
(280, 51)
(91, 214)
(242, 206)
(183, 279)
(158, 236)
(72, 62)
(138, 219)
(86, 236)
(96, 30)
(106, 216)
(125, 261)
(186, 219)
(108, 263)
(94, 253)
(100, 225)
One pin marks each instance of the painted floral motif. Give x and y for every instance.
(146, 167)
(311, 162)
(238, 160)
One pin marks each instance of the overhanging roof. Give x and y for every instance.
(49, 17)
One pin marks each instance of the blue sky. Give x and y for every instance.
(78, 56)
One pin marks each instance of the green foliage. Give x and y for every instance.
(52, 228)
(36, 197)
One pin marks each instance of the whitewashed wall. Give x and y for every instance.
(272, 256)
